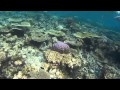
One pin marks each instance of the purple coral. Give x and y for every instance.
(61, 47)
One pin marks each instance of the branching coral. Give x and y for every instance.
(62, 59)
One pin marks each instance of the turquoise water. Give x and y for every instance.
(104, 18)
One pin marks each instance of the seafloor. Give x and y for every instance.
(26, 41)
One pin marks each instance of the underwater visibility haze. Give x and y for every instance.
(60, 44)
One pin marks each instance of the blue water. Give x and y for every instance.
(103, 18)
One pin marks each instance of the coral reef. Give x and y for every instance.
(74, 42)
(62, 59)
(40, 75)
(39, 37)
(40, 40)
(51, 47)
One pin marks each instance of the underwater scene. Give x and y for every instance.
(59, 44)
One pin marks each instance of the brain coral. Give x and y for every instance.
(61, 47)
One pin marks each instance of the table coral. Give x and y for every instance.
(85, 35)
(56, 33)
(39, 37)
